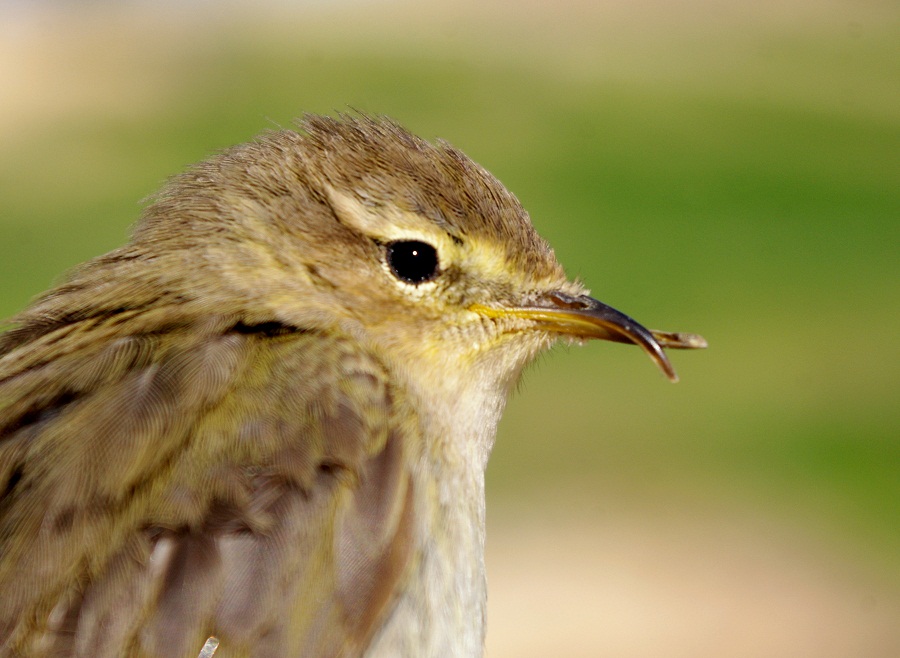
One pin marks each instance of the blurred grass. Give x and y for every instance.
(741, 184)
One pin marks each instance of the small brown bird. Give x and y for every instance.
(261, 427)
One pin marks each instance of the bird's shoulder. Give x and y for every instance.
(168, 480)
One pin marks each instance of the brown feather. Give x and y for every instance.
(228, 456)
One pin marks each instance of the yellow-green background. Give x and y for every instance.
(727, 168)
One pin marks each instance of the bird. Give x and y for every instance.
(261, 426)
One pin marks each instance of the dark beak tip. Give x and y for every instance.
(608, 323)
(666, 367)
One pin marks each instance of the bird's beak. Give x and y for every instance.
(585, 317)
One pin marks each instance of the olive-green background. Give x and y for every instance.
(703, 166)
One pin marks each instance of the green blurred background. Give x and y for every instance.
(708, 166)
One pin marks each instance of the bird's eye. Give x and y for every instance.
(412, 261)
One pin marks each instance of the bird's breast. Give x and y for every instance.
(440, 610)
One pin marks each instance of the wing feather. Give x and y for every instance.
(202, 479)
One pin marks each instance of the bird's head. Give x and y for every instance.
(354, 223)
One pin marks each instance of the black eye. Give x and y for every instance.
(412, 261)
